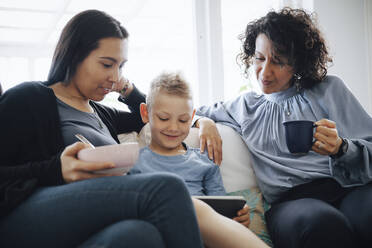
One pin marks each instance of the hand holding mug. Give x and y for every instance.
(301, 136)
(327, 140)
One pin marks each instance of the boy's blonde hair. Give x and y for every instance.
(172, 83)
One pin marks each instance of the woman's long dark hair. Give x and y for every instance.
(80, 36)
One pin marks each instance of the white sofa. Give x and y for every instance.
(236, 170)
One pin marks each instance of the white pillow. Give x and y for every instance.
(128, 137)
(236, 169)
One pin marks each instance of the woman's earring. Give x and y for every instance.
(297, 78)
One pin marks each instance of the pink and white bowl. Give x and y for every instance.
(124, 156)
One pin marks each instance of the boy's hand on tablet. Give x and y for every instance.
(243, 216)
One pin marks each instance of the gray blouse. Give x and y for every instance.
(259, 117)
(90, 125)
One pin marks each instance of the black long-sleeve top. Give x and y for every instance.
(31, 141)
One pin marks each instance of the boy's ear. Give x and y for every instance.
(144, 113)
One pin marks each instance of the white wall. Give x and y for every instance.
(345, 25)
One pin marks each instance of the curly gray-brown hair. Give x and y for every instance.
(295, 36)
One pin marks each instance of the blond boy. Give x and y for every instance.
(169, 110)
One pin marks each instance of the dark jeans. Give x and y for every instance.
(322, 214)
(149, 210)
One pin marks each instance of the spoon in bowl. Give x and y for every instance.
(84, 140)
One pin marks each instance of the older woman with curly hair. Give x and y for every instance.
(322, 198)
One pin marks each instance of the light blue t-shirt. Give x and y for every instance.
(201, 175)
(259, 120)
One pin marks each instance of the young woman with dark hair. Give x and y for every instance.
(49, 198)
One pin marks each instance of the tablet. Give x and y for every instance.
(225, 205)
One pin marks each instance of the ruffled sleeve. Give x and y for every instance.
(354, 124)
